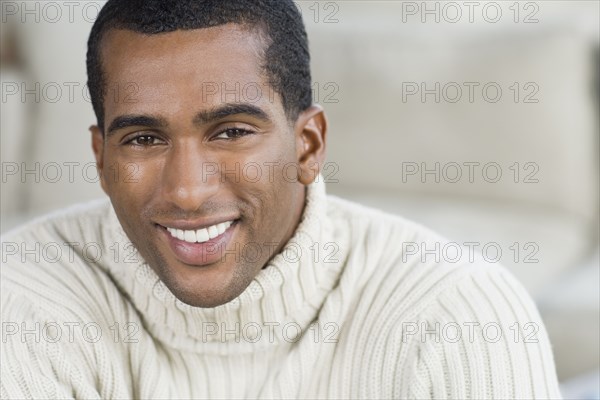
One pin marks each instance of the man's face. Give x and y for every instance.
(204, 170)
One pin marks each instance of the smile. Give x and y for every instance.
(200, 235)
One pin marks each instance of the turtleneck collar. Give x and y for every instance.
(281, 301)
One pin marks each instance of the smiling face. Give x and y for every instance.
(205, 171)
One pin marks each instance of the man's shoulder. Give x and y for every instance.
(417, 319)
(399, 264)
(389, 238)
(374, 219)
(75, 218)
(52, 238)
(56, 257)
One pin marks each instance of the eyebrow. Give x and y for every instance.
(226, 110)
(201, 118)
(124, 121)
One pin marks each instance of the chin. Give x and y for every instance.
(206, 287)
(205, 299)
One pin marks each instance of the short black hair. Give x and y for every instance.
(286, 57)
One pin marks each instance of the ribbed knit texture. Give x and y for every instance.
(342, 281)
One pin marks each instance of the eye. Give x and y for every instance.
(233, 133)
(144, 141)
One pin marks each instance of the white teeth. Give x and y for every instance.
(190, 236)
(213, 232)
(200, 235)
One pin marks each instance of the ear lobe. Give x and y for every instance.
(98, 148)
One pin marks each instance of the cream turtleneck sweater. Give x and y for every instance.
(341, 312)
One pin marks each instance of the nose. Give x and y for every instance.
(186, 183)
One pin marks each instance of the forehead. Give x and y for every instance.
(212, 46)
(183, 63)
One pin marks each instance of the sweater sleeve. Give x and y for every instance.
(40, 361)
(483, 339)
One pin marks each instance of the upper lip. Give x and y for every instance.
(187, 225)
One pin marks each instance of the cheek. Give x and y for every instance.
(130, 183)
(274, 163)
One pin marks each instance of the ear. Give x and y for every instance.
(310, 131)
(98, 147)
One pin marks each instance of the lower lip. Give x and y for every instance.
(200, 254)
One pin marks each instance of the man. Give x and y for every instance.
(220, 268)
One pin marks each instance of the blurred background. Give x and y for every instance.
(477, 119)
